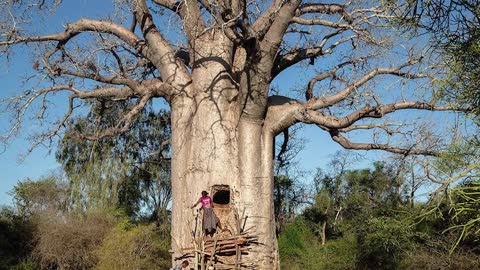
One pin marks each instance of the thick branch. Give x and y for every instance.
(275, 33)
(189, 12)
(263, 23)
(328, 121)
(304, 21)
(323, 9)
(347, 144)
(83, 25)
(162, 55)
(324, 102)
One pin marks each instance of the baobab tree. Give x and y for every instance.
(214, 62)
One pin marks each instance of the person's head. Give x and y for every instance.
(185, 263)
(204, 193)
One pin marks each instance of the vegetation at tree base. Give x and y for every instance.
(377, 228)
(134, 247)
(96, 239)
(107, 207)
(359, 219)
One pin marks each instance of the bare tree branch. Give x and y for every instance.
(311, 116)
(296, 55)
(347, 144)
(83, 25)
(323, 102)
(20, 104)
(123, 125)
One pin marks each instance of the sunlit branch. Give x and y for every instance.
(82, 25)
(329, 121)
(286, 60)
(163, 55)
(324, 9)
(263, 23)
(323, 102)
(275, 33)
(304, 21)
(388, 128)
(347, 144)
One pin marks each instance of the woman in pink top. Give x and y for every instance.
(209, 220)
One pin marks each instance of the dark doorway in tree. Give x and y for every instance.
(221, 195)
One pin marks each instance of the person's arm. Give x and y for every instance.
(193, 206)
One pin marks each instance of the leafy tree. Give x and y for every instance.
(216, 75)
(131, 171)
(47, 194)
(466, 216)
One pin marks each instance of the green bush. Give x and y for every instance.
(382, 242)
(138, 247)
(301, 249)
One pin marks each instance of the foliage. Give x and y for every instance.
(382, 242)
(45, 194)
(465, 213)
(131, 171)
(139, 247)
(299, 249)
(455, 31)
(16, 233)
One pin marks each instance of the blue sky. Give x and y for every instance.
(42, 160)
(318, 151)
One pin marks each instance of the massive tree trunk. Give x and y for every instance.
(215, 144)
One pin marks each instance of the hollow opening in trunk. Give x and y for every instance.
(221, 195)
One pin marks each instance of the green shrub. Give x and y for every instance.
(382, 242)
(138, 247)
(301, 249)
